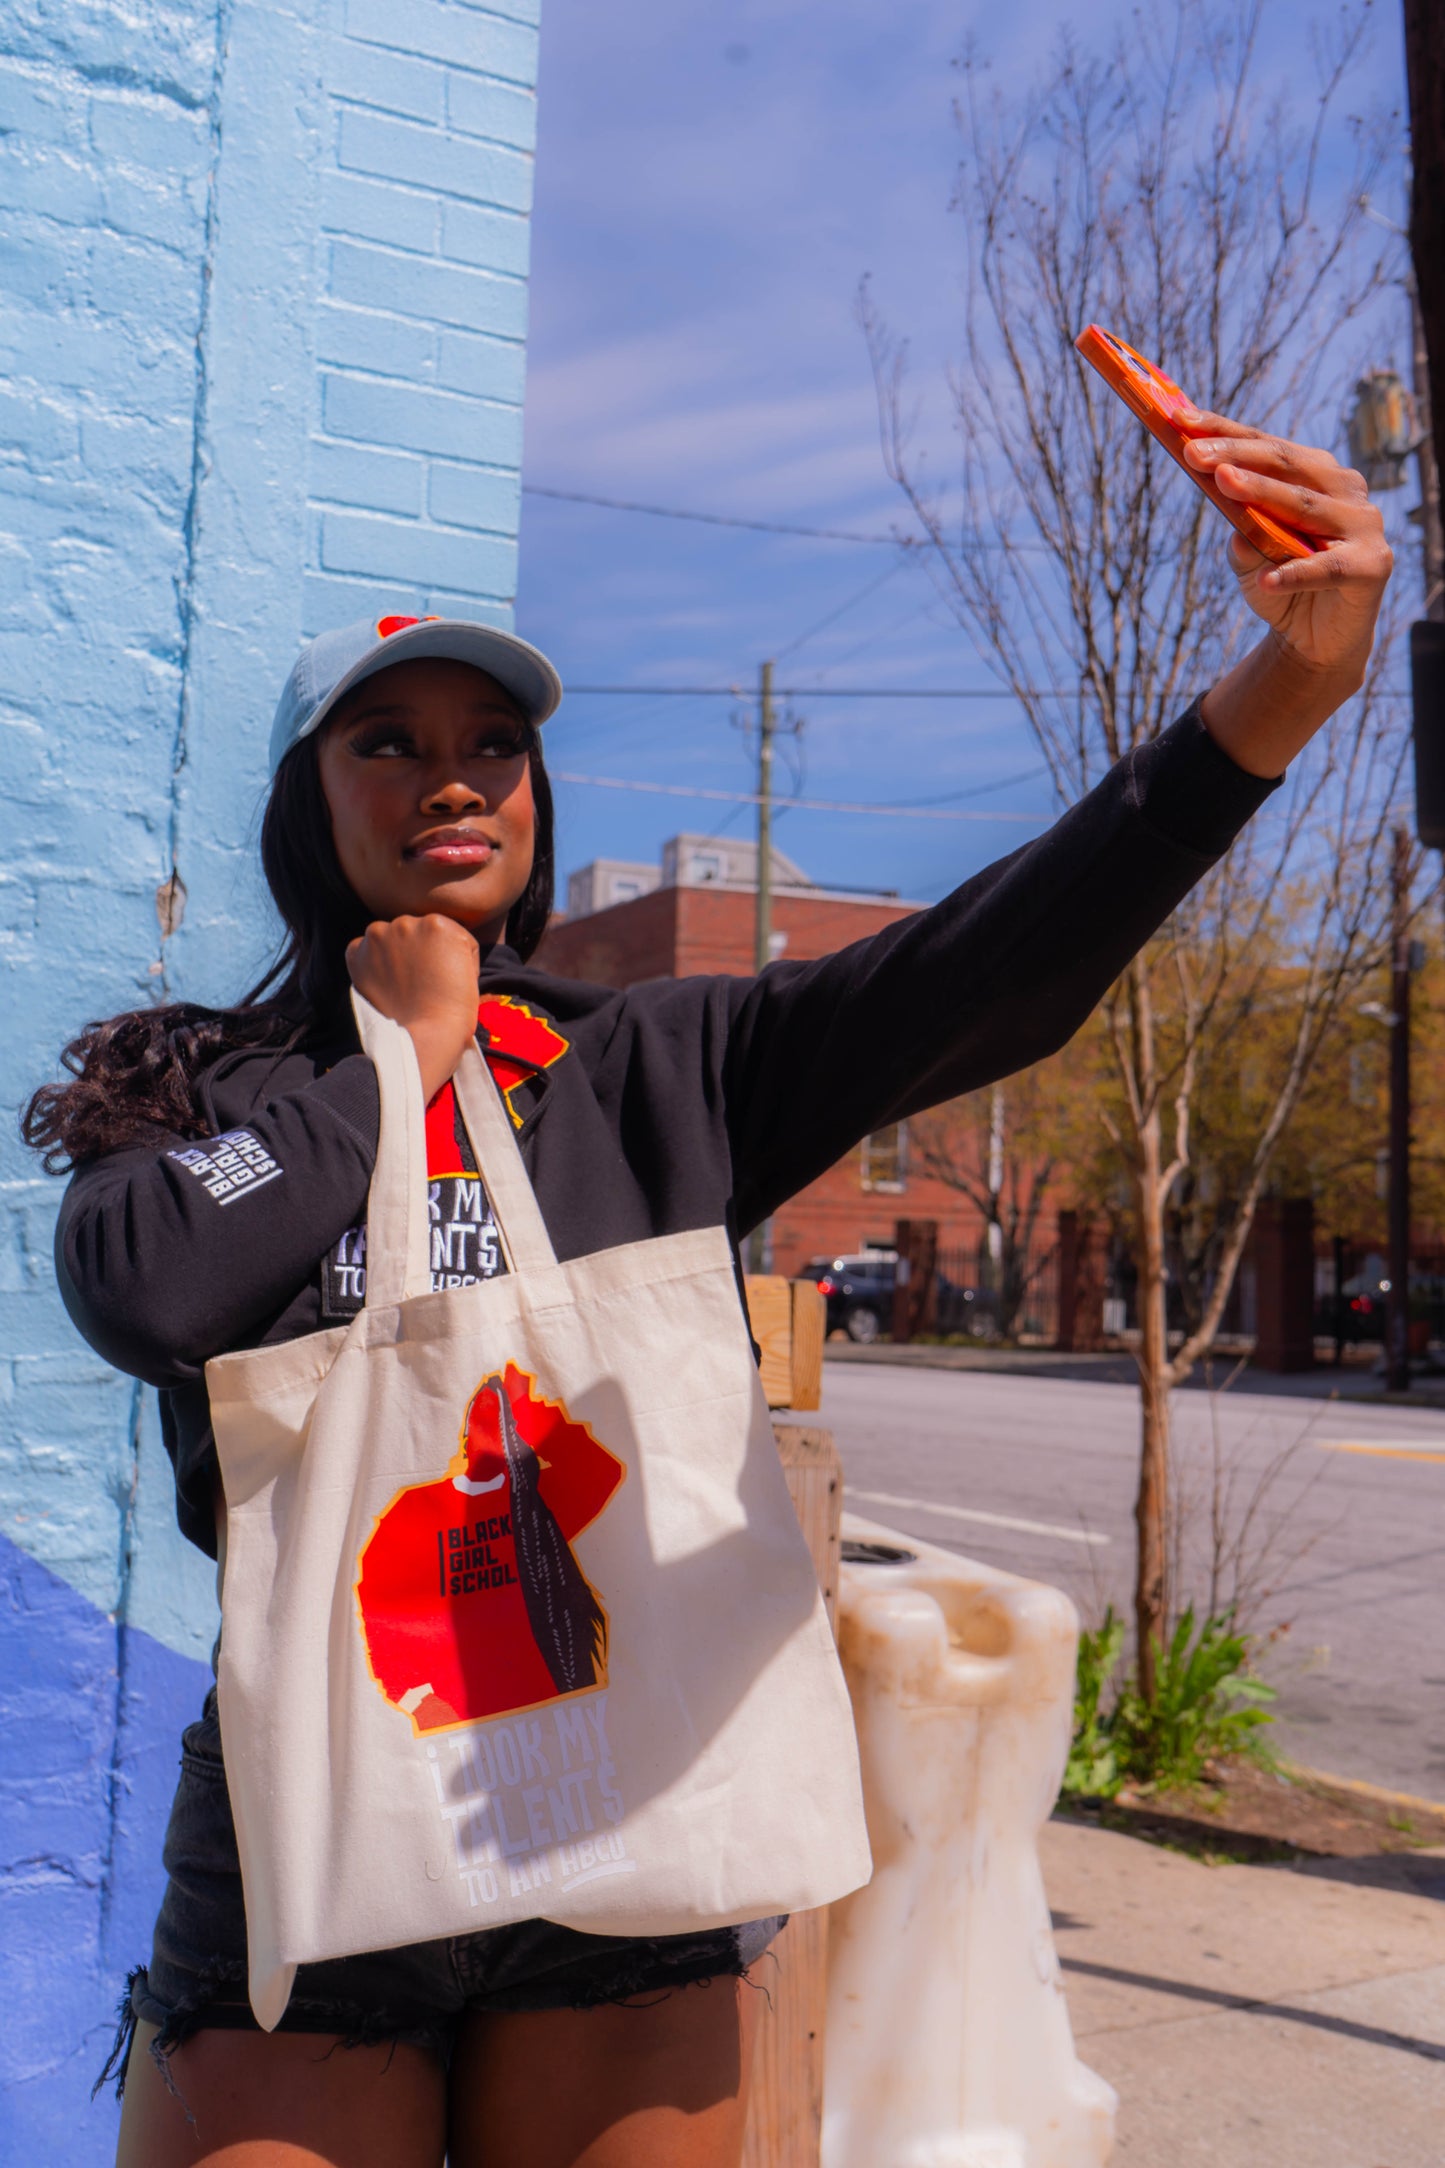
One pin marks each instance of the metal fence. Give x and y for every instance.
(1078, 1289)
(969, 1295)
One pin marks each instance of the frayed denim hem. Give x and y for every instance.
(351, 2026)
(115, 2063)
(215, 1999)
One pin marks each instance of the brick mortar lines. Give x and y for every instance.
(425, 18)
(438, 254)
(444, 71)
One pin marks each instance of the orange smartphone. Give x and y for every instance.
(1156, 400)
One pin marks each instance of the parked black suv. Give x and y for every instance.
(858, 1291)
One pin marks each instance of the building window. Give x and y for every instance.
(625, 889)
(884, 1158)
(707, 866)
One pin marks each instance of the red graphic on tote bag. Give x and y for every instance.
(471, 1601)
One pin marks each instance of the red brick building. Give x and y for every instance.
(707, 924)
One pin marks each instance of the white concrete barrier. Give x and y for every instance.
(948, 2042)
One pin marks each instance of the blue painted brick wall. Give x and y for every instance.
(424, 215)
(261, 370)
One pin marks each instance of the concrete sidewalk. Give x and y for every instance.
(1288, 2016)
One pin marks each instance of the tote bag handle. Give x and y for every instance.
(525, 1239)
(398, 1231)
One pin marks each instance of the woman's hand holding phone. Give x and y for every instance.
(1320, 610)
(422, 972)
(1309, 552)
(1312, 603)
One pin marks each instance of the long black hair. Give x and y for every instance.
(141, 1071)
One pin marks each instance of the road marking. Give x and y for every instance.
(1381, 1452)
(973, 1513)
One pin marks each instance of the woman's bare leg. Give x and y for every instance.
(657, 2083)
(282, 2100)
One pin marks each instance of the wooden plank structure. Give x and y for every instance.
(785, 2111)
(788, 1321)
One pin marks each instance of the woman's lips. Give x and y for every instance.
(453, 847)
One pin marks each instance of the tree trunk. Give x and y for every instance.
(1151, 1508)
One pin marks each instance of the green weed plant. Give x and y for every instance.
(1207, 1707)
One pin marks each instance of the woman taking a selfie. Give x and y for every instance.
(529, 1723)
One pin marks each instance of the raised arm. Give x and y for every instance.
(998, 975)
(1004, 971)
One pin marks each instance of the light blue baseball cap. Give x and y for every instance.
(330, 665)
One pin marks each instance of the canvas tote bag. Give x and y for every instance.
(517, 1619)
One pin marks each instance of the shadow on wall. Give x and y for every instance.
(90, 1713)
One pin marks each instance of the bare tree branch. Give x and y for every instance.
(1152, 187)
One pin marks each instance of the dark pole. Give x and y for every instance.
(1425, 79)
(1432, 534)
(1397, 1346)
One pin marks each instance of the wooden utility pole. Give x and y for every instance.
(1425, 78)
(760, 1241)
(763, 935)
(1397, 1346)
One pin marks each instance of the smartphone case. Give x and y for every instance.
(1156, 400)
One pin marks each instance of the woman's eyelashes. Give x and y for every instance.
(393, 741)
(503, 745)
(380, 740)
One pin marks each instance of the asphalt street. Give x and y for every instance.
(1341, 1507)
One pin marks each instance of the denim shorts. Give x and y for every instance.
(197, 1974)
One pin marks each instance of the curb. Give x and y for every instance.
(1094, 1366)
(998, 1362)
(1362, 1790)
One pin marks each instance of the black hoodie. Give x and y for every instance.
(679, 1103)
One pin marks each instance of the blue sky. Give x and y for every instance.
(712, 182)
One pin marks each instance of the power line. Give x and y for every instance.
(842, 609)
(777, 526)
(872, 692)
(974, 790)
(717, 519)
(876, 639)
(801, 805)
(822, 692)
